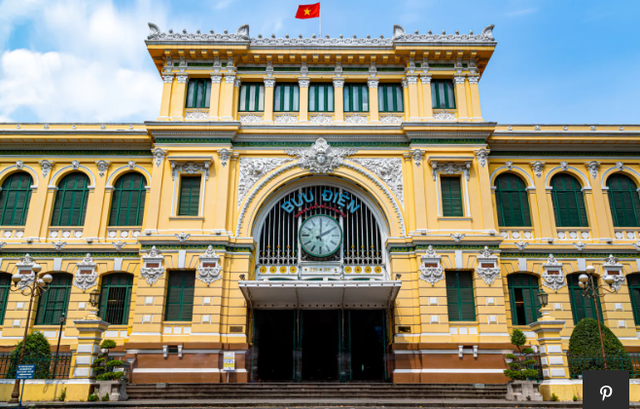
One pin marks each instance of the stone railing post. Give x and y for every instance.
(90, 332)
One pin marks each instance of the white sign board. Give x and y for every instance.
(229, 363)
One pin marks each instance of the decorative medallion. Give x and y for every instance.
(224, 155)
(488, 268)
(250, 119)
(86, 276)
(59, 245)
(580, 246)
(197, 115)
(521, 245)
(444, 116)
(389, 170)
(103, 165)
(118, 245)
(457, 237)
(25, 270)
(564, 165)
(209, 268)
(152, 269)
(182, 237)
(320, 157)
(482, 155)
(552, 276)
(451, 168)
(45, 167)
(612, 268)
(537, 167)
(390, 119)
(431, 269)
(321, 119)
(593, 167)
(190, 168)
(417, 155)
(286, 119)
(356, 119)
(158, 155)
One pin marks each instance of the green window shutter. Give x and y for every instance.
(189, 196)
(321, 98)
(568, 201)
(5, 285)
(581, 307)
(442, 94)
(451, 197)
(127, 205)
(14, 199)
(512, 201)
(115, 297)
(286, 97)
(624, 201)
(460, 300)
(180, 290)
(390, 98)
(523, 298)
(634, 293)
(356, 98)
(70, 205)
(198, 93)
(251, 97)
(54, 302)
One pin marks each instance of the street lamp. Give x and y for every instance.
(34, 289)
(543, 298)
(589, 285)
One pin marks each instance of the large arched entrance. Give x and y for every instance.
(321, 291)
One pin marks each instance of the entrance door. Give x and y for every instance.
(367, 344)
(274, 345)
(320, 335)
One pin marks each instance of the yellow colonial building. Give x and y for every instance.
(324, 208)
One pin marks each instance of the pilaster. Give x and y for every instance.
(178, 97)
(461, 97)
(95, 200)
(476, 114)
(36, 219)
(269, 85)
(214, 103)
(90, 332)
(554, 362)
(414, 108)
(338, 92)
(155, 193)
(374, 109)
(227, 106)
(303, 83)
(427, 101)
(165, 104)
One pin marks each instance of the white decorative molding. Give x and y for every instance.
(182, 237)
(451, 168)
(197, 115)
(252, 170)
(483, 156)
(103, 165)
(637, 245)
(209, 268)
(86, 275)
(321, 119)
(338, 82)
(285, 119)
(521, 245)
(250, 119)
(458, 79)
(152, 269)
(118, 245)
(412, 79)
(593, 167)
(19, 164)
(508, 165)
(59, 245)
(537, 168)
(580, 246)
(158, 155)
(45, 167)
(612, 268)
(216, 78)
(373, 82)
(356, 119)
(182, 78)
(320, 157)
(25, 270)
(75, 165)
(2, 244)
(457, 237)
(474, 79)
(304, 82)
(417, 155)
(224, 155)
(431, 269)
(229, 78)
(564, 165)
(389, 170)
(552, 276)
(390, 119)
(488, 268)
(131, 164)
(269, 82)
(620, 166)
(190, 168)
(444, 116)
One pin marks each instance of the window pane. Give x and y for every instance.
(286, 96)
(243, 98)
(295, 104)
(312, 98)
(277, 98)
(261, 97)
(207, 95)
(190, 90)
(321, 98)
(330, 98)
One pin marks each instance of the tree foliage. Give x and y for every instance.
(37, 352)
(585, 350)
(521, 366)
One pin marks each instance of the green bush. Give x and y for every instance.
(521, 366)
(108, 344)
(63, 395)
(554, 397)
(104, 367)
(110, 376)
(93, 397)
(105, 398)
(575, 398)
(585, 351)
(37, 351)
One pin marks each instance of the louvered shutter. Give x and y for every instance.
(5, 282)
(634, 294)
(189, 196)
(453, 306)
(451, 197)
(467, 302)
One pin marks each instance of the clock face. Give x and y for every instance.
(320, 235)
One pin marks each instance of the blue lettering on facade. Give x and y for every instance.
(327, 196)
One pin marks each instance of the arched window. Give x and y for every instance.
(523, 294)
(582, 307)
(624, 201)
(568, 201)
(5, 285)
(512, 201)
(115, 295)
(127, 206)
(70, 207)
(14, 199)
(54, 302)
(634, 294)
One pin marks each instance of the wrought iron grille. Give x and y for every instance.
(362, 241)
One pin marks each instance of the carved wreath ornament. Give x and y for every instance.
(320, 157)
(431, 270)
(86, 276)
(153, 268)
(209, 268)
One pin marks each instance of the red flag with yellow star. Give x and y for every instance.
(308, 11)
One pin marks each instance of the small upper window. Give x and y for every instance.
(390, 98)
(356, 98)
(321, 97)
(451, 197)
(251, 97)
(199, 93)
(286, 98)
(189, 195)
(442, 94)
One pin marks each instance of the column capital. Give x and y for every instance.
(373, 82)
(458, 79)
(237, 83)
(303, 82)
(182, 78)
(229, 78)
(216, 78)
(167, 79)
(412, 79)
(474, 79)
(338, 82)
(270, 82)
(425, 78)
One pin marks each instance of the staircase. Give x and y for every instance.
(324, 391)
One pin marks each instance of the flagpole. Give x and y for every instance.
(320, 18)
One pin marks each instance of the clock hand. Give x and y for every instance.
(325, 233)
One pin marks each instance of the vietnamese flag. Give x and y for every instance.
(308, 11)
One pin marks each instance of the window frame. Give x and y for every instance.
(294, 97)
(459, 303)
(61, 196)
(181, 303)
(633, 281)
(105, 290)
(314, 97)
(522, 198)
(450, 198)
(436, 97)
(11, 209)
(347, 96)
(117, 197)
(5, 290)
(206, 97)
(573, 194)
(259, 97)
(397, 94)
(618, 209)
(189, 212)
(534, 289)
(43, 307)
(574, 291)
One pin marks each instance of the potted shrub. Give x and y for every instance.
(112, 385)
(524, 378)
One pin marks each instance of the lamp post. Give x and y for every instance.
(589, 285)
(34, 289)
(55, 365)
(543, 298)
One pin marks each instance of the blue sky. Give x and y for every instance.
(561, 61)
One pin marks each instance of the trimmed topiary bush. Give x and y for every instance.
(104, 366)
(585, 352)
(521, 366)
(37, 351)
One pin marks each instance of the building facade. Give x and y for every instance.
(325, 209)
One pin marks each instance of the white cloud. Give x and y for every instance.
(223, 4)
(98, 68)
(522, 12)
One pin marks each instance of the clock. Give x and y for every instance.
(320, 235)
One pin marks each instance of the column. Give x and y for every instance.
(214, 103)
(303, 84)
(461, 98)
(236, 98)
(94, 208)
(414, 108)
(374, 109)
(542, 196)
(476, 114)
(601, 206)
(427, 102)
(223, 165)
(554, 362)
(165, 105)
(155, 192)
(178, 97)
(227, 105)
(338, 92)
(90, 332)
(269, 84)
(36, 220)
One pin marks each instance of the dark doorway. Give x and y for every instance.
(320, 335)
(274, 344)
(367, 344)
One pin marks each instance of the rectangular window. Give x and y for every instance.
(199, 93)
(634, 294)
(54, 302)
(356, 98)
(523, 294)
(180, 290)
(286, 97)
(442, 94)
(5, 285)
(460, 300)
(189, 195)
(451, 197)
(321, 97)
(251, 97)
(390, 98)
